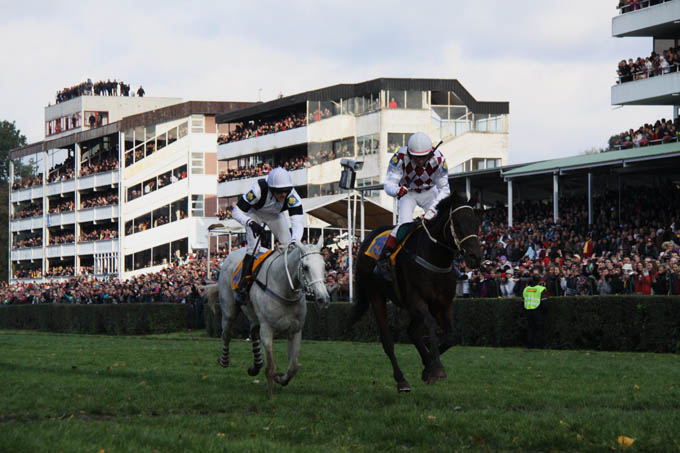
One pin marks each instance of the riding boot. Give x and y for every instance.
(246, 269)
(383, 266)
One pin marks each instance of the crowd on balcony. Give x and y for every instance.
(261, 169)
(62, 172)
(30, 210)
(28, 181)
(662, 131)
(98, 199)
(106, 164)
(225, 213)
(35, 241)
(59, 271)
(100, 88)
(258, 128)
(62, 237)
(626, 6)
(653, 66)
(98, 234)
(61, 206)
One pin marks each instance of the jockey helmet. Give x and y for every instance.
(279, 180)
(419, 145)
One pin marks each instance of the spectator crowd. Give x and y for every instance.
(258, 128)
(663, 131)
(626, 6)
(261, 169)
(633, 247)
(100, 88)
(652, 66)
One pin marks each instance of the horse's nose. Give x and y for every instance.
(323, 301)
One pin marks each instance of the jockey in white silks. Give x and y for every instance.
(417, 175)
(266, 202)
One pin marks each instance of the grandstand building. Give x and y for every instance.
(660, 21)
(311, 132)
(119, 186)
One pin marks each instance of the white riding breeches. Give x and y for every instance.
(407, 204)
(278, 223)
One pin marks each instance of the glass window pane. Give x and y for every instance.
(414, 99)
(183, 129)
(172, 135)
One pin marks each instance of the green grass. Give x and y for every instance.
(166, 393)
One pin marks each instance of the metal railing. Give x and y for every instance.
(636, 5)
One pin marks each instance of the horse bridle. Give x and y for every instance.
(301, 275)
(456, 241)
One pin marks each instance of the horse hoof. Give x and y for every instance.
(403, 387)
(254, 370)
(224, 364)
(279, 379)
(430, 377)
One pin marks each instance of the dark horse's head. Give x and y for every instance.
(460, 227)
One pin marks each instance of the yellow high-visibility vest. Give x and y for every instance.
(532, 296)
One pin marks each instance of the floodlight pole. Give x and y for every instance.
(349, 245)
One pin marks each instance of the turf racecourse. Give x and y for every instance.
(166, 393)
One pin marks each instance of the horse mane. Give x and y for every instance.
(446, 204)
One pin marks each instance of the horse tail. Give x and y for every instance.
(210, 294)
(361, 303)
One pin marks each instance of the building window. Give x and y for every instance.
(197, 163)
(197, 203)
(197, 124)
(395, 140)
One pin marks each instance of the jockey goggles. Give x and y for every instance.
(423, 158)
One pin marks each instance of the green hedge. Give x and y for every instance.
(120, 319)
(630, 323)
(646, 323)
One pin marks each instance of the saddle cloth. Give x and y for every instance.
(259, 259)
(405, 232)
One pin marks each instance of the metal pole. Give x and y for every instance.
(556, 191)
(349, 244)
(363, 215)
(509, 202)
(208, 264)
(590, 198)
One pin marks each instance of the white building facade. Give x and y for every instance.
(119, 187)
(366, 121)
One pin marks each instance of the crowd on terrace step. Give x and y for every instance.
(177, 283)
(652, 66)
(662, 131)
(633, 247)
(626, 6)
(258, 128)
(100, 88)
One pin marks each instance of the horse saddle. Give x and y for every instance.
(405, 232)
(259, 259)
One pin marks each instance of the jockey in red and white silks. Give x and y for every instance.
(417, 175)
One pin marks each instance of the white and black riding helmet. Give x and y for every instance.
(279, 181)
(419, 145)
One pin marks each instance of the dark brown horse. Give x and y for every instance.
(424, 284)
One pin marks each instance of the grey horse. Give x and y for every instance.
(276, 304)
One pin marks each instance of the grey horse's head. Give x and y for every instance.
(313, 272)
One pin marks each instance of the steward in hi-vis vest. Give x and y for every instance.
(532, 296)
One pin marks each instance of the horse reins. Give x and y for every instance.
(456, 241)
